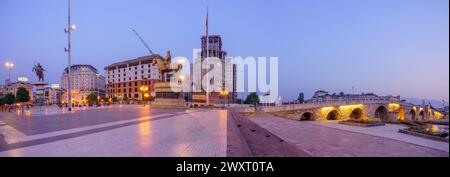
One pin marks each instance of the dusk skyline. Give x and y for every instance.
(387, 47)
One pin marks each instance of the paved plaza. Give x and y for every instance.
(135, 130)
(116, 131)
(325, 139)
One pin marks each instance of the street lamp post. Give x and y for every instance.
(224, 94)
(9, 65)
(144, 90)
(70, 27)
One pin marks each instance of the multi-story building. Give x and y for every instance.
(228, 73)
(323, 96)
(52, 95)
(84, 80)
(124, 79)
(12, 87)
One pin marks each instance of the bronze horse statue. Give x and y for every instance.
(165, 65)
(39, 70)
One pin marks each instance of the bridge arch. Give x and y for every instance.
(413, 114)
(307, 116)
(422, 115)
(357, 113)
(333, 115)
(381, 113)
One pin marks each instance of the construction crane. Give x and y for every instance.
(142, 40)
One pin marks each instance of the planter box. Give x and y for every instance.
(362, 124)
(437, 138)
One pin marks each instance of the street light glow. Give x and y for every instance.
(9, 65)
(73, 27)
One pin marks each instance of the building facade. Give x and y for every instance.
(14, 86)
(52, 95)
(85, 80)
(321, 96)
(226, 76)
(124, 79)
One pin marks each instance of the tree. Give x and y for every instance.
(301, 97)
(22, 95)
(252, 98)
(2, 101)
(9, 98)
(114, 99)
(92, 99)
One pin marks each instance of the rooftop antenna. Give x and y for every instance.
(143, 42)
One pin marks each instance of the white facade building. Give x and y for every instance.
(85, 80)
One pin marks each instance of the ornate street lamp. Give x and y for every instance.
(224, 94)
(144, 90)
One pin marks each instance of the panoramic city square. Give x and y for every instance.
(303, 78)
(138, 131)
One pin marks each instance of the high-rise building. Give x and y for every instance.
(85, 80)
(124, 79)
(226, 76)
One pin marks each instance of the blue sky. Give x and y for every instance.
(398, 47)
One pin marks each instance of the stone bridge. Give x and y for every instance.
(383, 110)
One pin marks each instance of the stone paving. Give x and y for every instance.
(119, 131)
(331, 142)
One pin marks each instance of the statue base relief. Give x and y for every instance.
(166, 97)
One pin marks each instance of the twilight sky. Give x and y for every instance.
(398, 47)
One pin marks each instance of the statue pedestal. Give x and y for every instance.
(39, 95)
(166, 97)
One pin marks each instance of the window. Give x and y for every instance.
(135, 84)
(135, 90)
(135, 73)
(129, 84)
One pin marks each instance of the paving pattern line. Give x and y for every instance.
(12, 139)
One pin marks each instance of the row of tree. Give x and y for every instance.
(253, 98)
(22, 96)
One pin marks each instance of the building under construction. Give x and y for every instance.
(227, 73)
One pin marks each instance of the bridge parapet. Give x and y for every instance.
(292, 107)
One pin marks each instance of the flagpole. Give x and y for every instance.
(207, 55)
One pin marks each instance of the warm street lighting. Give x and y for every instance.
(10, 66)
(224, 94)
(144, 90)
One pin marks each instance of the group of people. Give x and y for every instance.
(13, 107)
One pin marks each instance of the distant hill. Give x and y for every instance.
(434, 103)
